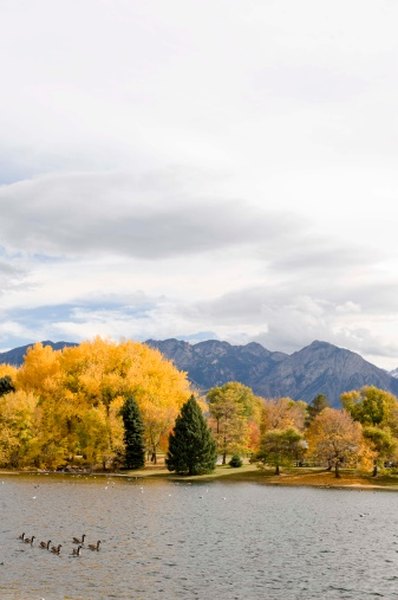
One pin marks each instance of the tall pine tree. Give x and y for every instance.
(192, 449)
(6, 385)
(134, 457)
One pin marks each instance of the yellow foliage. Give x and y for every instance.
(40, 372)
(98, 374)
(18, 428)
(78, 394)
(8, 370)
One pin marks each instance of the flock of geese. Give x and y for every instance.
(57, 549)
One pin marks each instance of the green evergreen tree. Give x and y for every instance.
(192, 449)
(6, 385)
(314, 408)
(133, 435)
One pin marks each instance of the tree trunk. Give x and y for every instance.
(336, 470)
(225, 447)
(375, 469)
(277, 470)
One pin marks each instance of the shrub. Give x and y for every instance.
(235, 461)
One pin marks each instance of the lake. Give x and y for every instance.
(224, 541)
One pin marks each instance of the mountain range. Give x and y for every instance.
(318, 368)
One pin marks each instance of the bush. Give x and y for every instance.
(235, 461)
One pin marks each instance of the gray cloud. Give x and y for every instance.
(321, 255)
(12, 275)
(118, 213)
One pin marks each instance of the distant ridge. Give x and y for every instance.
(16, 355)
(320, 368)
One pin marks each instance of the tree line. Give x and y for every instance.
(109, 405)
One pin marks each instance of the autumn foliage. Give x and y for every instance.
(67, 404)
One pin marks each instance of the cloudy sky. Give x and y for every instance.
(200, 169)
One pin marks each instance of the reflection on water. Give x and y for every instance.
(169, 540)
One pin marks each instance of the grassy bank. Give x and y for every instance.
(290, 477)
(313, 477)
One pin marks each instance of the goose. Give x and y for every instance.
(29, 540)
(76, 551)
(77, 541)
(56, 549)
(22, 536)
(45, 545)
(95, 546)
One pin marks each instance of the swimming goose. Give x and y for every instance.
(56, 549)
(45, 545)
(77, 541)
(76, 551)
(95, 546)
(29, 540)
(22, 536)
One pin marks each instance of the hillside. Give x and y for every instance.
(318, 368)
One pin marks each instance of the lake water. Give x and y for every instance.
(207, 541)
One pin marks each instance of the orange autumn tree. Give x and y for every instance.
(336, 440)
(283, 413)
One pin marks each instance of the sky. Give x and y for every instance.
(222, 169)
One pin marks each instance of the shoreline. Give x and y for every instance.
(297, 477)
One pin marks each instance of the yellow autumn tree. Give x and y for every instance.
(41, 374)
(79, 393)
(18, 429)
(95, 384)
(101, 373)
(377, 411)
(235, 414)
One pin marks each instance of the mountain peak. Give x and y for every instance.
(320, 344)
(318, 368)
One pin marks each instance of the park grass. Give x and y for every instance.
(250, 473)
(298, 476)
